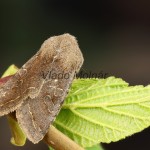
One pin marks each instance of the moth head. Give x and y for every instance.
(64, 50)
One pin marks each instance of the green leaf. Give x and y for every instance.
(10, 71)
(18, 137)
(50, 148)
(103, 110)
(100, 110)
(95, 147)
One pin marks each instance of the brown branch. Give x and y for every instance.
(59, 141)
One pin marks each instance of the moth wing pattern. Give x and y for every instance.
(59, 54)
(14, 91)
(36, 115)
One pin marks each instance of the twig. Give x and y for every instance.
(59, 141)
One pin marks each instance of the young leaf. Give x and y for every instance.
(104, 110)
(50, 148)
(12, 69)
(18, 137)
(95, 147)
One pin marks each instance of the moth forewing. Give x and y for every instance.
(41, 97)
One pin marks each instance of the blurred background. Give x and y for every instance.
(114, 37)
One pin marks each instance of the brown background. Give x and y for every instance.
(113, 35)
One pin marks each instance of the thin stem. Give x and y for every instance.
(59, 141)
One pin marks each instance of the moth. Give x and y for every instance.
(37, 99)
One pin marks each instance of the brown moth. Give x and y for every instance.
(36, 92)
